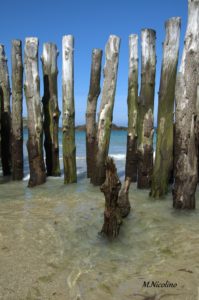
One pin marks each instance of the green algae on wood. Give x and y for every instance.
(164, 148)
(186, 131)
(106, 109)
(5, 114)
(132, 101)
(17, 102)
(94, 91)
(35, 122)
(145, 109)
(68, 118)
(51, 108)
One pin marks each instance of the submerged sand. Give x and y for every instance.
(50, 247)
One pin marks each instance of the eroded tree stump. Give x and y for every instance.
(110, 188)
(123, 198)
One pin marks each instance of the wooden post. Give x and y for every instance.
(5, 114)
(132, 101)
(164, 149)
(110, 188)
(35, 130)
(69, 148)
(51, 108)
(94, 91)
(17, 102)
(123, 198)
(186, 165)
(146, 104)
(106, 109)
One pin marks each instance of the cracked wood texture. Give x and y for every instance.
(106, 109)
(17, 102)
(164, 149)
(132, 101)
(69, 148)
(110, 188)
(145, 108)
(186, 144)
(51, 109)
(123, 198)
(35, 123)
(94, 91)
(5, 114)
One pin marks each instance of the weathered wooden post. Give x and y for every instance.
(123, 198)
(132, 101)
(164, 149)
(17, 102)
(110, 188)
(35, 123)
(5, 114)
(69, 148)
(145, 109)
(186, 144)
(106, 109)
(94, 91)
(51, 108)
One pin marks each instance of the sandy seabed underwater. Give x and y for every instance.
(50, 247)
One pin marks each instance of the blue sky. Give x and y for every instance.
(91, 22)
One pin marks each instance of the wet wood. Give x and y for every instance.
(164, 147)
(106, 109)
(123, 198)
(69, 148)
(51, 108)
(132, 101)
(110, 188)
(186, 144)
(5, 114)
(94, 91)
(145, 108)
(17, 103)
(35, 123)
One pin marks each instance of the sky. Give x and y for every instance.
(90, 22)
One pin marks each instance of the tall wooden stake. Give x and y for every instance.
(186, 164)
(146, 104)
(69, 148)
(131, 155)
(106, 109)
(51, 108)
(17, 102)
(35, 130)
(164, 149)
(93, 95)
(5, 114)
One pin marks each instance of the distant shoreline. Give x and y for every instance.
(83, 127)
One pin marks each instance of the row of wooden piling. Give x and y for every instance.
(176, 159)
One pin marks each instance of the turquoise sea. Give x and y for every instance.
(50, 247)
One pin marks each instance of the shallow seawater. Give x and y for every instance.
(50, 247)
